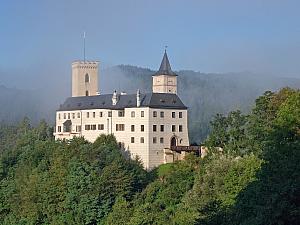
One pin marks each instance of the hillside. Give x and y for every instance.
(204, 94)
(253, 181)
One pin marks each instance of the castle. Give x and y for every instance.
(147, 125)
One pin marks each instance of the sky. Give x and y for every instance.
(40, 39)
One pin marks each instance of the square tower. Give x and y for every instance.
(85, 78)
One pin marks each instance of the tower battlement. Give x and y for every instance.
(84, 78)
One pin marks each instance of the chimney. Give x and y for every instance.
(114, 98)
(138, 98)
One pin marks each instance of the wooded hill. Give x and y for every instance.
(255, 180)
(204, 94)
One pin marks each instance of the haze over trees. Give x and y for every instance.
(204, 94)
(253, 180)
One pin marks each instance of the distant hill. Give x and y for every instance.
(204, 94)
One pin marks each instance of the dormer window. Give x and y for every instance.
(87, 78)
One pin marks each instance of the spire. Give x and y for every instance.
(165, 67)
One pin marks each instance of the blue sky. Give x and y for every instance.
(39, 39)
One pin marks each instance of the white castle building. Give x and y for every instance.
(148, 125)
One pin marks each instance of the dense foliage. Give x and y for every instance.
(250, 176)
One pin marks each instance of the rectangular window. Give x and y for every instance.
(154, 114)
(65, 116)
(78, 128)
(132, 128)
(109, 113)
(142, 128)
(93, 127)
(101, 114)
(120, 127)
(69, 116)
(162, 114)
(59, 128)
(180, 128)
(59, 116)
(132, 139)
(100, 126)
(87, 114)
(121, 113)
(132, 114)
(154, 128)
(162, 128)
(161, 140)
(180, 114)
(94, 114)
(87, 127)
(142, 140)
(78, 115)
(173, 128)
(173, 115)
(73, 115)
(142, 113)
(154, 140)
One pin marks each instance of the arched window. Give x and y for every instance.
(87, 78)
(87, 93)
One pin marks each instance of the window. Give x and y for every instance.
(142, 113)
(121, 113)
(120, 127)
(132, 139)
(132, 128)
(142, 140)
(173, 128)
(132, 114)
(173, 115)
(100, 126)
(59, 128)
(101, 114)
(87, 115)
(87, 78)
(109, 113)
(94, 114)
(180, 114)
(78, 128)
(162, 114)
(154, 140)
(78, 115)
(87, 127)
(154, 128)
(180, 128)
(73, 115)
(65, 116)
(162, 128)
(86, 93)
(161, 140)
(142, 128)
(154, 114)
(69, 116)
(93, 127)
(59, 116)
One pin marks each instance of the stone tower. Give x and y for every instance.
(84, 78)
(165, 80)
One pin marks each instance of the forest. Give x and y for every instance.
(205, 94)
(254, 179)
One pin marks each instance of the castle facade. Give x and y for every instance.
(145, 124)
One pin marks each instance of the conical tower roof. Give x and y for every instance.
(165, 67)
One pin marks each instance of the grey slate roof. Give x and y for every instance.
(152, 100)
(165, 67)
